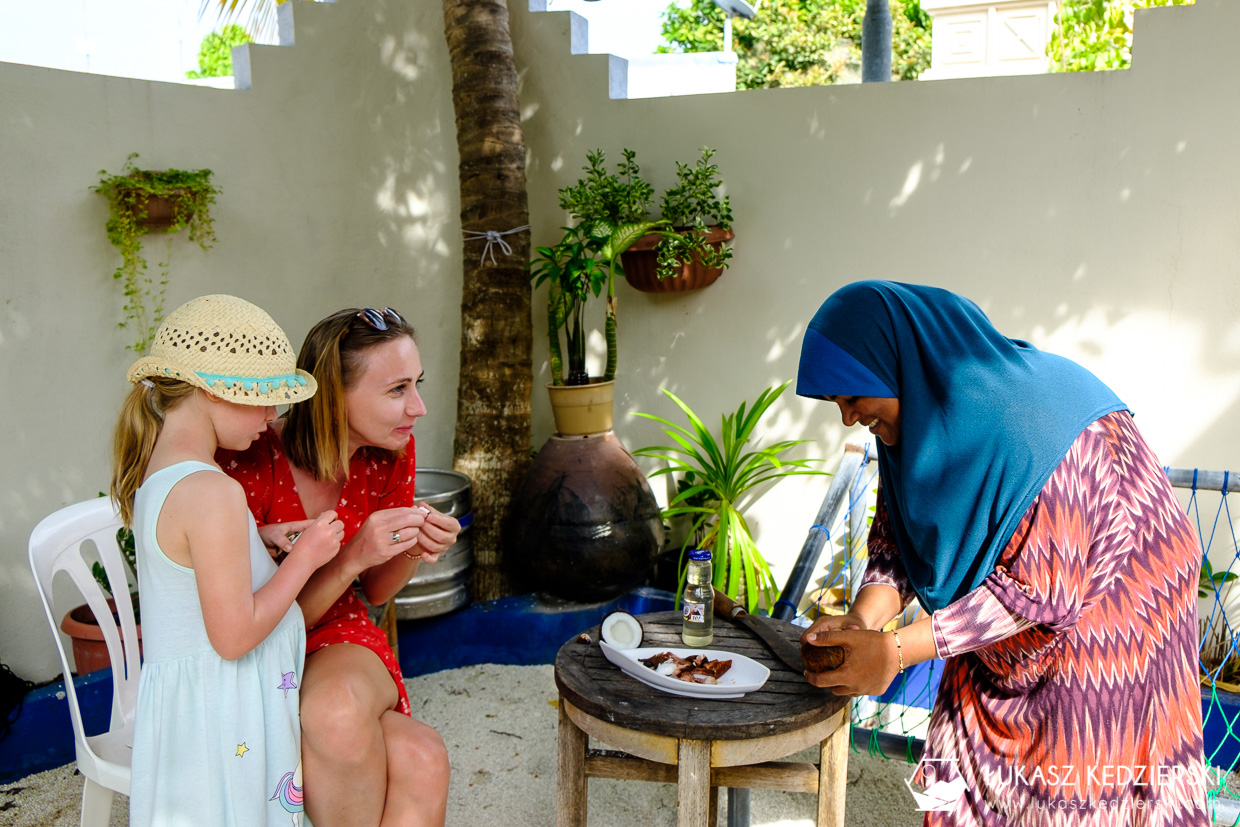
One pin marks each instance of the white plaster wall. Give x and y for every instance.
(338, 171)
(1092, 214)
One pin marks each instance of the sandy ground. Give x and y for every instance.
(499, 723)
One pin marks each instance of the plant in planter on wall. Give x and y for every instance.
(686, 244)
(693, 209)
(716, 477)
(143, 201)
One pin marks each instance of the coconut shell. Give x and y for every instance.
(821, 658)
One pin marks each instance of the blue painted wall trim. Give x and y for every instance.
(522, 630)
(516, 631)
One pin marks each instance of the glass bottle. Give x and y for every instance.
(697, 605)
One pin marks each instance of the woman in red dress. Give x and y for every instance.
(365, 761)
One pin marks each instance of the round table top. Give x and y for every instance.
(785, 703)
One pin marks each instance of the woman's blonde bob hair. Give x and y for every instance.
(138, 426)
(316, 432)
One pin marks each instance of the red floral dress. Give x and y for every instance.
(377, 480)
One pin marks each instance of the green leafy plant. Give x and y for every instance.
(215, 52)
(1095, 35)
(717, 476)
(610, 211)
(131, 193)
(1212, 582)
(604, 202)
(799, 42)
(692, 207)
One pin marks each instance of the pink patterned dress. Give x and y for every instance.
(1070, 693)
(377, 480)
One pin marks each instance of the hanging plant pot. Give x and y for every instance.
(582, 409)
(641, 265)
(90, 651)
(160, 212)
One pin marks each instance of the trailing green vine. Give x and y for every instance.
(190, 194)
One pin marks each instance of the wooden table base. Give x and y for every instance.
(700, 768)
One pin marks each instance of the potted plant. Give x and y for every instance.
(90, 652)
(717, 479)
(692, 254)
(143, 201)
(609, 210)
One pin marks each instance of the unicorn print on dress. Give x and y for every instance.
(289, 794)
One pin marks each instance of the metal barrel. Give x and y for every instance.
(445, 585)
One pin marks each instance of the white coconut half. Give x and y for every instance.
(622, 630)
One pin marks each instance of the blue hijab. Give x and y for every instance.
(985, 420)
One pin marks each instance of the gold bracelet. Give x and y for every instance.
(413, 557)
(899, 650)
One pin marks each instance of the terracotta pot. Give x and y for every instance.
(90, 652)
(586, 525)
(582, 409)
(160, 213)
(640, 266)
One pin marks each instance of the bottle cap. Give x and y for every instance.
(699, 554)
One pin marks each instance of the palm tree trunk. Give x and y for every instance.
(492, 444)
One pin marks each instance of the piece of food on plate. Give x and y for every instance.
(693, 669)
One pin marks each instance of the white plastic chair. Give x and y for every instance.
(56, 545)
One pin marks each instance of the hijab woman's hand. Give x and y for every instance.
(870, 662)
(833, 623)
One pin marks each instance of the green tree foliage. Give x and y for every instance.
(1092, 35)
(215, 53)
(800, 42)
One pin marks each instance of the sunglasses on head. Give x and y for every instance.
(378, 319)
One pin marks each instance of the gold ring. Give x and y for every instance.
(395, 536)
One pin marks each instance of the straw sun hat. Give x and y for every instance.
(229, 348)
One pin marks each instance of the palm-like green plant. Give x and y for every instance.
(718, 475)
(575, 268)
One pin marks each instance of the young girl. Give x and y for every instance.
(216, 737)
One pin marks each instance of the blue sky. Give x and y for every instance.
(159, 39)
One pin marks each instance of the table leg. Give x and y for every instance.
(693, 783)
(833, 776)
(570, 807)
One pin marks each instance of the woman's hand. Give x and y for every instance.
(438, 533)
(320, 541)
(280, 536)
(385, 534)
(870, 660)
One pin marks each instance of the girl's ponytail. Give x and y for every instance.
(138, 426)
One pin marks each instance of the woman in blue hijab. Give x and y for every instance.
(1022, 509)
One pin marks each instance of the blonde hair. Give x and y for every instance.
(137, 428)
(316, 432)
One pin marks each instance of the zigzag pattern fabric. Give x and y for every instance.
(1085, 709)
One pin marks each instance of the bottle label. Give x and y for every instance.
(694, 612)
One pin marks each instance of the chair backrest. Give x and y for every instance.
(56, 545)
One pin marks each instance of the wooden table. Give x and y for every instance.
(698, 744)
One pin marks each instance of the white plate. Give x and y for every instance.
(746, 674)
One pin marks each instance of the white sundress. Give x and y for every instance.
(216, 742)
